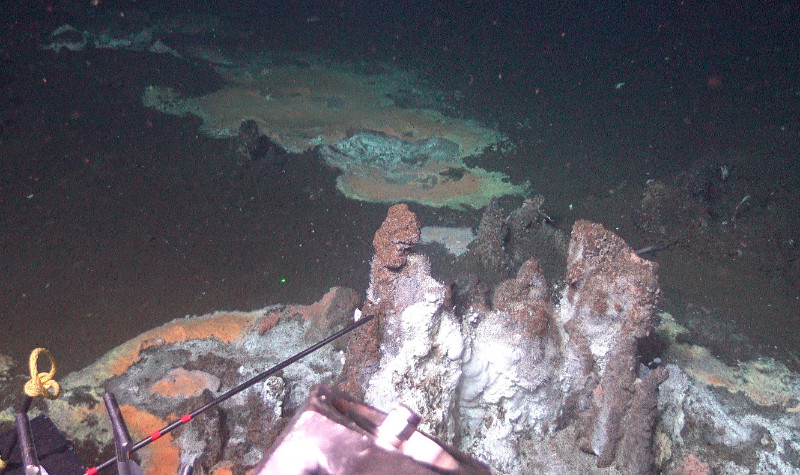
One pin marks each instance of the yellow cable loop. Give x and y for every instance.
(42, 384)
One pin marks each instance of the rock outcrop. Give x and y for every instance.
(527, 376)
(524, 366)
(607, 307)
(184, 364)
(420, 338)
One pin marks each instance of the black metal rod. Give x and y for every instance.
(122, 440)
(25, 441)
(250, 382)
(24, 406)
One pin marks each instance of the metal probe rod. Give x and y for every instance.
(255, 379)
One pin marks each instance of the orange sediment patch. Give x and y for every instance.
(374, 186)
(318, 312)
(302, 107)
(182, 383)
(160, 457)
(294, 106)
(227, 327)
(312, 311)
(715, 380)
(765, 381)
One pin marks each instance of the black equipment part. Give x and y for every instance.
(55, 453)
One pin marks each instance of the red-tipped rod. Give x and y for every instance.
(255, 379)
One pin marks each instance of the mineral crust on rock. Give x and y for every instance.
(509, 384)
(523, 367)
(607, 307)
(420, 340)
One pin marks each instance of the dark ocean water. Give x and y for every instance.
(115, 218)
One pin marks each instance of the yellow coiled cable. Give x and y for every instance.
(40, 384)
